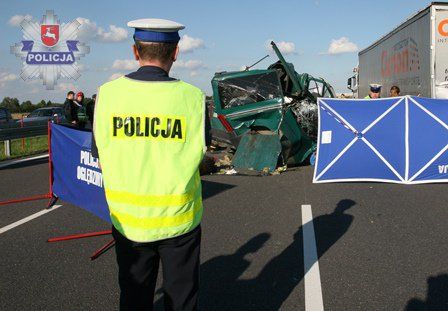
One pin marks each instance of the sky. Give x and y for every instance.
(320, 37)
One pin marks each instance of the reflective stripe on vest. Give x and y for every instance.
(150, 138)
(153, 200)
(157, 222)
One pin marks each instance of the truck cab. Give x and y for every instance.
(353, 83)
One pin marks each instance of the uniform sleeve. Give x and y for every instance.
(67, 111)
(207, 127)
(74, 112)
(94, 147)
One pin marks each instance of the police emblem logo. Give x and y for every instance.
(52, 53)
(49, 34)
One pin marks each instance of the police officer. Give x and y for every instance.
(71, 109)
(375, 91)
(80, 110)
(149, 134)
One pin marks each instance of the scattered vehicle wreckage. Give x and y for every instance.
(268, 117)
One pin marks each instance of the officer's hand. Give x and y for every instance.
(207, 166)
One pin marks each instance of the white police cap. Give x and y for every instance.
(375, 87)
(156, 30)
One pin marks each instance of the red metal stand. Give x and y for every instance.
(79, 236)
(98, 252)
(34, 198)
(52, 198)
(102, 250)
(23, 139)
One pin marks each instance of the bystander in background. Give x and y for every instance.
(71, 109)
(81, 111)
(394, 91)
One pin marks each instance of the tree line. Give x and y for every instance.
(14, 105)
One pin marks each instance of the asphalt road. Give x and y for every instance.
(379, 246)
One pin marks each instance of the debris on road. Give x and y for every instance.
(208, 165)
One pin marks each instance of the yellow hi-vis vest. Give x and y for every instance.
(150, 139)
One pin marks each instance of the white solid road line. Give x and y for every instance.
(313, 288)
(12, 162)
(26, 219)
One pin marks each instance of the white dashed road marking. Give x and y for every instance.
(29, 218)
(313, 288)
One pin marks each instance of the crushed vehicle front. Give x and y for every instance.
(269, 116)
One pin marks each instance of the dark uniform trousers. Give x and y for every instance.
(139, 264)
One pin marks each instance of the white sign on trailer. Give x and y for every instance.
(441, 54)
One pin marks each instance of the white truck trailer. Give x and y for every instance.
(413, 56)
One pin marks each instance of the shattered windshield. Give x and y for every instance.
(249, 89)
(316, 88)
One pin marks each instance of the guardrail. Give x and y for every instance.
(23, 132)
(7, 134)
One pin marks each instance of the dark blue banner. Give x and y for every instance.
(77, 177)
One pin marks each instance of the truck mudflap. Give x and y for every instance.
(258, 151)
